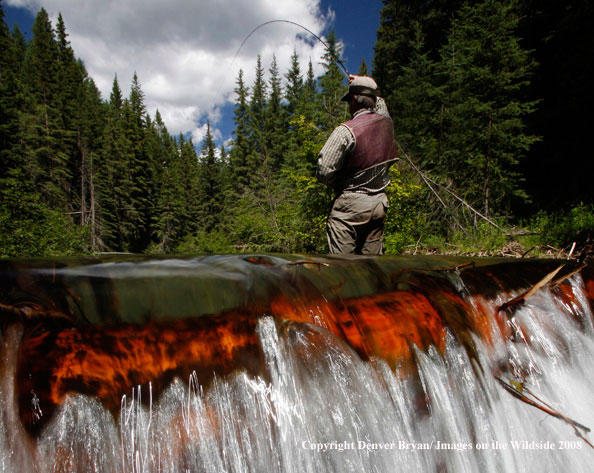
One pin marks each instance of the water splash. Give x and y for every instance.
(315, 405)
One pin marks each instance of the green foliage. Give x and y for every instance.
(215, 242)
(309, 212)
(30, 228)
(562, 228)
(482, 239)
(404, 224)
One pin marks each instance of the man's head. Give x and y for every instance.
(362, 93)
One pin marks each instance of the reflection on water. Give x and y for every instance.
(316, 403)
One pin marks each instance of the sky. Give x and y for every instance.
(187, 53)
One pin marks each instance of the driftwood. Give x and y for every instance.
(521, 298)
(428, 181)
(518, 389)
(558, 281)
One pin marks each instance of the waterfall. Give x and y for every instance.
(312, 400)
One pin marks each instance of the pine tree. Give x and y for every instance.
(307, 106)
(257, 119)
(90, 120)
(276, 121)
(331, 86)
(363, 68)
(19, 45)
(239, 155)
(310, 81)
(141, 169)
(114, 180)
(11, 101)
(417, 98)
(28, 227)
(294, 89)
(42, 122)
(294, 96)
(390, 51)
(483, 135)
(190, 195)
(177, 197)
(70, 76)
(396, 35)
(71, 93)
(157, 151)
(209, 185)
(303, 209)
(227, 183)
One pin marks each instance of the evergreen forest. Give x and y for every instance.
(489, 100)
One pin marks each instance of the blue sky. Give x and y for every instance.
(184, 58)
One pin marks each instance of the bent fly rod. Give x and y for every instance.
(336, 59)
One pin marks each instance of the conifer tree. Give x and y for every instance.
(177, 195)
(161, 145)
(42, 61)
(294, 87)
(19, 45)
(226, 180)
(257, 119)
(157, 151)
(239, 154)
(89, 118)
(276, 121)
(307, 104)
(482, 126)
(390, 49)
(10, 102)
(69, 80)
(70, 94)
(209, 185)
(140, 168)
(396, 35)
(190, 195)
(167, 218)
(331, 86)
(363, 68)
(114, 186)
(417, 99)
(42, 121)
(294, 96)
(28, 226)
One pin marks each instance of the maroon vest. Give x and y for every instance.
(375, 144)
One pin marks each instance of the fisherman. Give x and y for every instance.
(355, 162)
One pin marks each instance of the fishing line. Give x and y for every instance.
(337, 60)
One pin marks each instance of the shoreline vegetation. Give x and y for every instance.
(494, 153)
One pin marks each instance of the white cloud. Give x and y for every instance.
(183, 50)
(199, 133)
